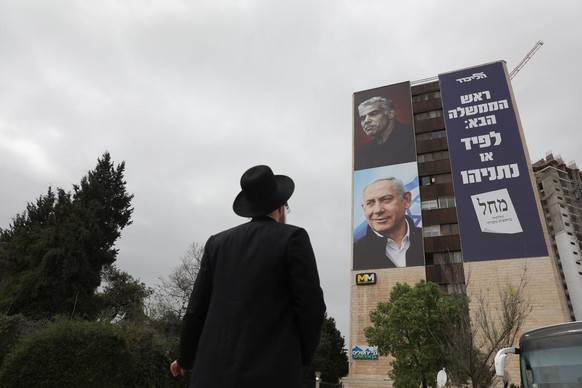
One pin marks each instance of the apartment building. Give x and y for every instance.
(473, 194)
(560, 188)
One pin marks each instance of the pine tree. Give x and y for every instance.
(52, 254)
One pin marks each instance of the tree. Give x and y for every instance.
(477, 337)
(122, 295)
(425, 330)
(410, 327)
(52, 254)
(172, 294)
(330, 357)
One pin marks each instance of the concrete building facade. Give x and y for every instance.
(560, 188)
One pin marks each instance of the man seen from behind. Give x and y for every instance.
(256, 309)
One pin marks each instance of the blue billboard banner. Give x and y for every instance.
(496, 207)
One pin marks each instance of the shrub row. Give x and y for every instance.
(76, 353)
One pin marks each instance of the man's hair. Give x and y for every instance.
(387, 104)
(398, 185)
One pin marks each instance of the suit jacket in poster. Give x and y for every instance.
(256, 310)
(370, 250)
(399, 148)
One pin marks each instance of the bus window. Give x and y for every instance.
(553, 362)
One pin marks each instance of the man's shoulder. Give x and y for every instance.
(367, 241)
(363, 238)
(402, 132)
(260, 223)
(403, 126)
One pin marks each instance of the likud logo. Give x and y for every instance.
(363, 279)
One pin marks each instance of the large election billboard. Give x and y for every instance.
(496, 207)
(387, 219)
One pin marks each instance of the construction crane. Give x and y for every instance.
(521, 64)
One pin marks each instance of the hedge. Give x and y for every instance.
(76, 353)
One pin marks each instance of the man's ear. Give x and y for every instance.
(407, 197)
(392, 114)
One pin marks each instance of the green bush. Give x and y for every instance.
(11, 329)
(151, 357)
(69, 353)
(77, 353)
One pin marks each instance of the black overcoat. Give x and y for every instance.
(256, 310)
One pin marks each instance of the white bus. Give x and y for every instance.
(549, 357)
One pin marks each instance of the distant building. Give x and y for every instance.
(560, 188)
(474, 196)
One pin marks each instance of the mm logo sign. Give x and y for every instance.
(363, 279)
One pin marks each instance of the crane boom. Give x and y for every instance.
(521, 64)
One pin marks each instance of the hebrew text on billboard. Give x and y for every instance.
(497, 212)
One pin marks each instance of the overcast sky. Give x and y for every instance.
(191, 93)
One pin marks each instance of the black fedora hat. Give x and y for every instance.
(262, 192)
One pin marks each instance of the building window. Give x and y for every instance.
(438, 134)
(432, 179)
(426, 96)
(439, 155)
(429, 205)
(427, 180)
(431, 231)
(444, 178)
(449, 229)
(445, 202)
(428, 115)
(424, 158)
(423, 136)
(447, 257)
(431, 135)
(440, 203)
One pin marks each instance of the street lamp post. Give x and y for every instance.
(317, 379)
